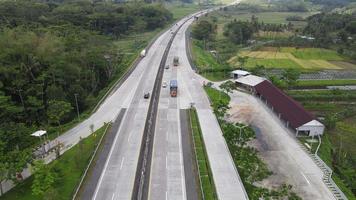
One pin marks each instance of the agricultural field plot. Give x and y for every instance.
(290, 57)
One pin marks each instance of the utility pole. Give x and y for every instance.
(76, 102)
(241, 127)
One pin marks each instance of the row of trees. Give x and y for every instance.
(107, 18)
(323, 25)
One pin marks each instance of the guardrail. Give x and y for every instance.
(327, 173)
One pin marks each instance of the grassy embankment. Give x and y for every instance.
(205, 175)
(208, 64)
(338, 148)
(68, 169)
(250, 167)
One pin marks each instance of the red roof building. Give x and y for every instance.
(288, 109)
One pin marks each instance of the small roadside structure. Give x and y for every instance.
(39, 135)
(239, 73)
(249, 82)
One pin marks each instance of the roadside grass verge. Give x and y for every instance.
(217, 97)
(205, 175)
(68, 169)
(207, 64)
(203, 59)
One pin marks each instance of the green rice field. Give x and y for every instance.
(290, 57)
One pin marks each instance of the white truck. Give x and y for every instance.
(143, 53)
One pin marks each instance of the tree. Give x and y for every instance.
(43, 178)
(290, 76)
(277, 82)
(204, 30)
(330, 121)
(242, 60)
(238, 32)
(258, 70)
(3, 173)
(228, 86)
(57, 110)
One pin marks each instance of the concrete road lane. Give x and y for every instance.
(167, 170)
(118, 176)
(227, 181)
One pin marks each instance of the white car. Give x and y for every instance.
(164, 84)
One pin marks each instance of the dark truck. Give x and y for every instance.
(175, 61)
(173, 86)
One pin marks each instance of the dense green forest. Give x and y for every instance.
(51, 53)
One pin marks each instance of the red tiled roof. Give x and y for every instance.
(289, 109)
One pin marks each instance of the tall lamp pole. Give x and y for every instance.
(76, 102)
(241, 127)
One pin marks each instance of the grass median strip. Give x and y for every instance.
(205, 175)
(67, 172)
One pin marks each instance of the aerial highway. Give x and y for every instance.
(126, 173)
(158, 172)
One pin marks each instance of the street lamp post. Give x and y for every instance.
(76, 102)
(241, 127)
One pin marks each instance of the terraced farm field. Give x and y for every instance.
(290, 57)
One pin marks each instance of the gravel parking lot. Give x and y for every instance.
(279, 149)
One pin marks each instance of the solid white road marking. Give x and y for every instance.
(122, 162)
(166, 163)
(113, 196)
(181, 155)
(107, 161)
(305, 177)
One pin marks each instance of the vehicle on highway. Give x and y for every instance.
(164, 84)
(166, 67)
(143, 53)
(146, 95)
(173, 88)
(176, 61)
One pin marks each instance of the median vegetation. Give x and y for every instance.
(205, 176)
(59, 179)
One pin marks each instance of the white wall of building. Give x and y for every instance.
(314, 127)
